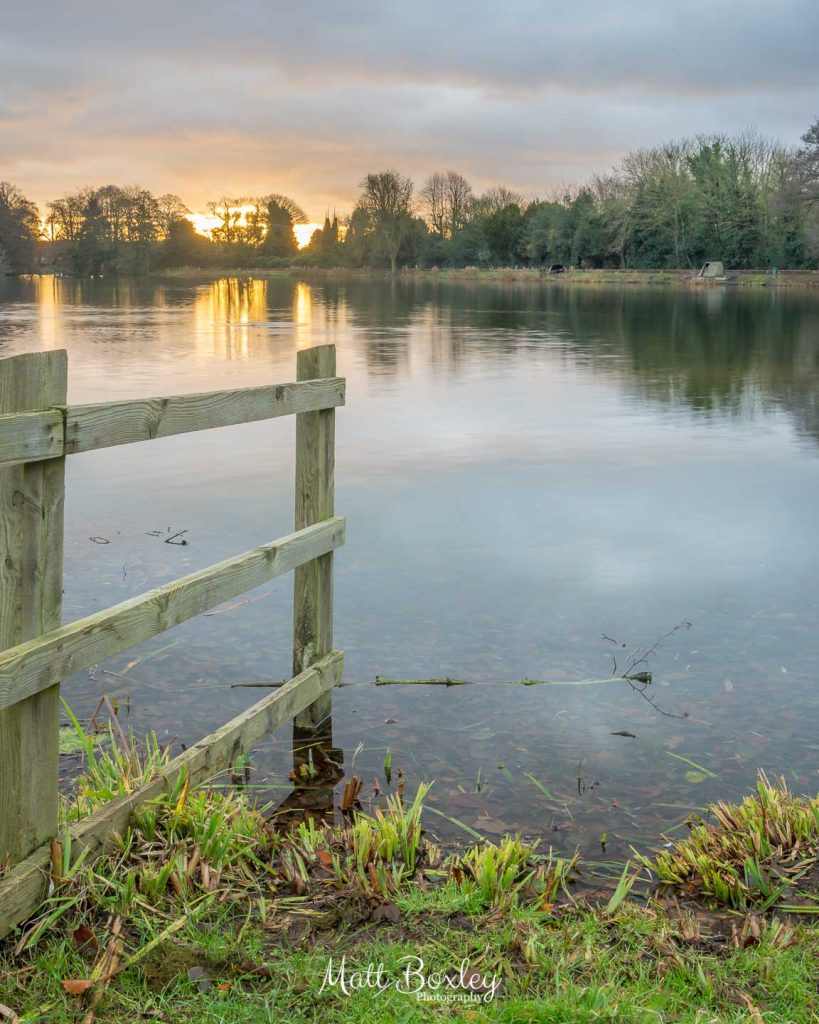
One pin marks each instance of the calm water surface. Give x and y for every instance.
(523, 470)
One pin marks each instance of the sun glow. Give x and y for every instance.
(204, 223)
(304, 232)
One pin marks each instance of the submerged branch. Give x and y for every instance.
(638, 681)
(447, 681)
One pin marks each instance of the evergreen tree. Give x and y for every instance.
(281, 238)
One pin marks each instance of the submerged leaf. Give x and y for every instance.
(687, 760)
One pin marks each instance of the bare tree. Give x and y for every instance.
(140, 214)
(386, 197)
(66, 215)
(459, 199)
(170, 209)
(433, 199)
(498, 198)
(804, 169)
(112, 204)
(447, 198)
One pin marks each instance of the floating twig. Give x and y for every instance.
(381, 681)
(251, 686)
(639, 681)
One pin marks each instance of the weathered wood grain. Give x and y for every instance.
(104, 424)
(31, 667)
(50, 433)
(24, 888)
(31, 436)
(31, 582)
(315, 476)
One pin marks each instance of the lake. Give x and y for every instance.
(537, 480)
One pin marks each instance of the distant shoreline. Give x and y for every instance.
(785, 279)
(525, 275)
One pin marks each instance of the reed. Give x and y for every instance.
(752, 851)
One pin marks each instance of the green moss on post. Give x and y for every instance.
(31, 579)
(313, 589)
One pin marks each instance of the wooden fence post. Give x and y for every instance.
(31, 583)
(313, 591)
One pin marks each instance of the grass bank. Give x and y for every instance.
(202, 911)
(785, 279)
(647, 278)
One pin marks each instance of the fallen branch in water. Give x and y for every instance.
(252, 686)
(638, 681)
(448, 681)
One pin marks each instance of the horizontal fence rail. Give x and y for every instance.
(70, 430)
(26, 885)
(101, 426)
(42, 662)
(38, 429)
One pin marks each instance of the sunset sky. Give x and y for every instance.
(205, 98)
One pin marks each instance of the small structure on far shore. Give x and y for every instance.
(713, 270)
(556, 268)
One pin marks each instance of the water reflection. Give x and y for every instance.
(523, 470)
(222, 313)
(48, 302)
(713, 350)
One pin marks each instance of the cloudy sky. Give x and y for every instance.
(246, 97)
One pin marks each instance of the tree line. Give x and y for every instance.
(742, 199)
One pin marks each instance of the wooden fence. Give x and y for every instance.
(37, 431)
